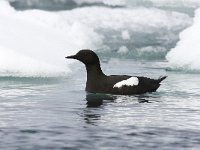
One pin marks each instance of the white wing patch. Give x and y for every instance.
(133, 81)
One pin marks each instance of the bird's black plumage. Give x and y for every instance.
(98, 82)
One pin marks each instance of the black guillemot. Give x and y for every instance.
(98, 82)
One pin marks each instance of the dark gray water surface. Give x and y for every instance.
(54, 113)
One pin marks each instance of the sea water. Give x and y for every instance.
(43, 104)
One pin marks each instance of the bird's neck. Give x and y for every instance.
(94, 72)
(94, 77)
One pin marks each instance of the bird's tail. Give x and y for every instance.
(161, 78)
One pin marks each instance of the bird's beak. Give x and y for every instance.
(71, 57)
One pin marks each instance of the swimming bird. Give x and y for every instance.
(98, 82)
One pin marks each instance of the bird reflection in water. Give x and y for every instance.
(95, 104)
(96, 100)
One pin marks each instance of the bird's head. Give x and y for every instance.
(88, 57)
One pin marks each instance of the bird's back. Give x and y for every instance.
(107, 85)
